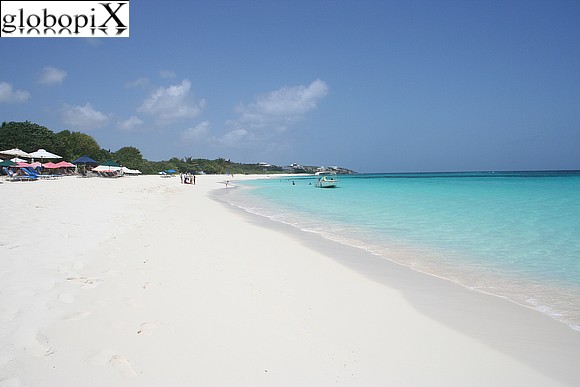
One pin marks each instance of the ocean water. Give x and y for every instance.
(511, 234)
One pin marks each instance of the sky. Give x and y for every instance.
(374, 86)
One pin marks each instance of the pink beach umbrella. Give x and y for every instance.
(64, 164)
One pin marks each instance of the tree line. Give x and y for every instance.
(29, 137)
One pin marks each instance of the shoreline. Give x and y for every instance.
(463, 313)
(173, 287)
(317, 241)
(552, 298)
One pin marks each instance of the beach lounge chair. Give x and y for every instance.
(84, 173)
(32, 173)
(12, 176)
(47, 176)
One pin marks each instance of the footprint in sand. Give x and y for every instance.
(40, 346)
(86, 283)
(123, 365)
(147, 328)
(119, 362)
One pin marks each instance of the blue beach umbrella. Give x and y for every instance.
(85, 160)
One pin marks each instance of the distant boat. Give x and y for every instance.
(326, 181)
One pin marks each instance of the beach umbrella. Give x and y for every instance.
(85, 160)
(18, 160)
(105, 168)
(64, 164)
(113, 166)
(49, 165)
(15, 152)
(44, 154)
(7, 163)
(108, 166)
(110, 163)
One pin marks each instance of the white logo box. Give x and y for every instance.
(65, 19)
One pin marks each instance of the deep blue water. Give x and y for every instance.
(511, 234)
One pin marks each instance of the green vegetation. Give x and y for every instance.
(29, 137)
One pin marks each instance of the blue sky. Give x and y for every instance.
(376, 86)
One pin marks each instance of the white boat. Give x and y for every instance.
(326, 182)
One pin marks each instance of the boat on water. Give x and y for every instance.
(326, 181)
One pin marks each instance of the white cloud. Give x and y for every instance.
(172, 103)
(286, 103)
(167, 74)
(139, 82)
(83, 117)
(272, 113)
(8, 94)
(234, 137)
(52, 76)
(130, 124)
(198, 132)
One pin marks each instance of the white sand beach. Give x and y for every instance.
(143, 281)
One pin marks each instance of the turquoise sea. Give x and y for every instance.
(511, 234)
